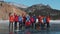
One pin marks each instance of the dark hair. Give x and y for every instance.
(9, 14)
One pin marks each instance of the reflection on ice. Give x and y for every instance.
(54, 29)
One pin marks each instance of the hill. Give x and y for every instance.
(6, 8)
(45, 10)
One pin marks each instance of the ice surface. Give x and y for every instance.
(54, 28)
(51, 21)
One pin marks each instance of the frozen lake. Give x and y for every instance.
(54, 28)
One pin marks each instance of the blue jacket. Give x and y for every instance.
(34, 18)
(20, 18)
(27, 18)
(44, 20)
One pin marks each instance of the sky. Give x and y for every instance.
(55, 4)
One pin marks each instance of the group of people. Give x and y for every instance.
(29, 21)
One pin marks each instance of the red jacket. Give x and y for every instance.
(47, 19)
(24, 18)
(28, 23)
(32, 19)
(16, 18)
(40, 19)
(11, 18)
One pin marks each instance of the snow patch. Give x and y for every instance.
(51, 21)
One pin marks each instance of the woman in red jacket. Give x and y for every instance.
(16, 20)
(47, 21)
(40, 18)
(24, 20)
(32, 21)
(11, 20)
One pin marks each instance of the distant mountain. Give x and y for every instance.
(6, 9)
(45, 10)
(38, 9)
(17, 5)
(20, 6)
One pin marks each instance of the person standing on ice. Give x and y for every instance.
(48, 21)
(20, 18)
(44, 20)
(32, 21)
(11, 20)
(40, 18)
(37, 23)
(16, 20)
(24, 19)
(28, 22)
(34, 16)
(27, 18)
